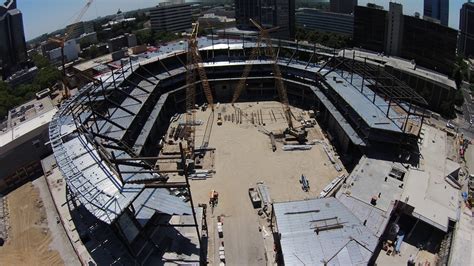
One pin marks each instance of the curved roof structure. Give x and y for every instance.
(101, 137)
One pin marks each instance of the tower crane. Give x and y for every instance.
(195, 64)
(62, 39)
(264, 35)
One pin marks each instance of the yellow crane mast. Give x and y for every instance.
(195, 64)
(299, 134)
(61, 40)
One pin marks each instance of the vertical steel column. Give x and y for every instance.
(376, 81)
(185, 170)
(352, 67)
(93, 111)
(363, 76)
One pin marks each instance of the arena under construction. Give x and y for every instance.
(141, 151)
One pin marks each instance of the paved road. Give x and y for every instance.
(461, 123)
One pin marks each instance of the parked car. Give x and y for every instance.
(449, 125)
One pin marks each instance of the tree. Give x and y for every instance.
(144, 36)
(7, 100)
(40, 61)
(459, 98)
(47, 77)
(460, 71)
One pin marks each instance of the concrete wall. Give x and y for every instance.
(19, 160)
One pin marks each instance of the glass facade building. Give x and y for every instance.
(269, 13)
(12, 39)
(343, 6)
(437, 9)
(466, 28)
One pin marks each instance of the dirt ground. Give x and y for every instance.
(29, 237)
(244, 157)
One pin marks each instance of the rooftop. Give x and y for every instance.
(366, 181)
(321, 231)
(402, 64)
(25, 118)
(99, 61)
(426, 189)
(435, 200)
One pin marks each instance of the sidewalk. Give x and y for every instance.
(57, 187)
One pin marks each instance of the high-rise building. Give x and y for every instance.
(369, 28)
(318, 20)
(171, 17)
(79, 28)
(466, 28)
(12, 38)
(394, 27)
(438, 10)
(269, 13)
(429, 44)
(343, 6)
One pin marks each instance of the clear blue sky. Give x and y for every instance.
(43, 16)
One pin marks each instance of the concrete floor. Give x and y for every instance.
(406, 250)
(244, 157)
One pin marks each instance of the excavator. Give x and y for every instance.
(298, 133)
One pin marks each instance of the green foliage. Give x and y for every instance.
(459, 98)
(165, 36)
(144, 36)
(147, 36)
(47, 76)
(447, 109)
(7, 99)
(40, 61)
(329, 39)
(461, 71)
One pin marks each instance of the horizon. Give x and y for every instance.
(33, 11)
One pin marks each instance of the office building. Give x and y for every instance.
(119, 42)
(270, 14)
(466, 28)
(47, 46)
(317, 20)
(12, 39)
(437, 10)
(369, 28)
(77, 29)
(71, 52)
(428, 44)
(343, 6)
(24, 136)
(394, 27)
(171, 17)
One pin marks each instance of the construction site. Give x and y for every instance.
(223, 150)
(243, 152)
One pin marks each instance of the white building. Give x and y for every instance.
(71, 51)
(23, 141)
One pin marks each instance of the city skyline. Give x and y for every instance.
(33, 11)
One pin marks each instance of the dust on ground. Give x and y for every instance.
(29, 237)
(243, 156)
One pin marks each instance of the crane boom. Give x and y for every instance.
(241, 85)
(282, 94)
(62, 40)
(194, 64)
(264, 36)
